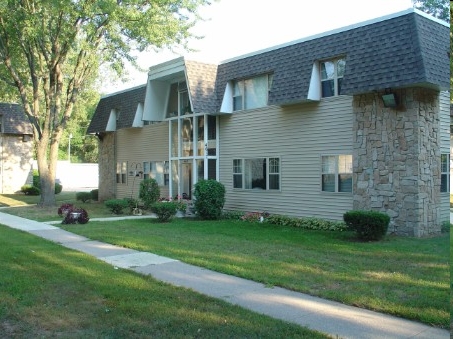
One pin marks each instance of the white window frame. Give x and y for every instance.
(156, 170)
(121, 172)
(242, 88)
(336, 172)
(445, 172)
(336, 77)
(239, 170)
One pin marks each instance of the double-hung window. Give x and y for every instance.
(332, 72)
(445, 173)
(121, 171)
(251, 93)
(257, 173)
(156, 170)
(336, 173)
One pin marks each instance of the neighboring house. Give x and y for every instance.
(355, 118)
(16, 148)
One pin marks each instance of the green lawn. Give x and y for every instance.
(407, 277)
(48, 291)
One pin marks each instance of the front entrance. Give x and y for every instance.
(193, 143)
(186, 180)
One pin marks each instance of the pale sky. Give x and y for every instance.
(237, 27)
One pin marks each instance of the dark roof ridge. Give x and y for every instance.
(335, 31)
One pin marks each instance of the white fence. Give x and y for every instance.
(76, 176)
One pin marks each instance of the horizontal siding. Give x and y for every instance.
(136, 145)
(445, 148)
(444, 122)
(299, 135)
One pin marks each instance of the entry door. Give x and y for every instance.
(186, 180)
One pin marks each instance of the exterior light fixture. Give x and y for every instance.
(389, 99)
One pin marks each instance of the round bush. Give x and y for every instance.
(95, 194)
(368, 225)
(164, 210)
(116, 205)
(149, 192)
(209, 199)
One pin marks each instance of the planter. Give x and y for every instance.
(136, 211)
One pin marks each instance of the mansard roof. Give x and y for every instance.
(14, 119)
(124, 102)
(406, 49)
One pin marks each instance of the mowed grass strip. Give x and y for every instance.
(49, 291)
(25, 206)
(406, 277)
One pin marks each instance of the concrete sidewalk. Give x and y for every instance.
(332, 318)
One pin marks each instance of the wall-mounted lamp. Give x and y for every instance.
(389, 99)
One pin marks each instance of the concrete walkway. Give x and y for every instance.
(332, 318)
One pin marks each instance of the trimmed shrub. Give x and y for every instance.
(149, 192)
(116, 206)
(164, 210)
(30, 190)
(368, 225)
(209, 199)
(83, 196)
(58, 188)
(36, 181)
(232, 215)
(306, 223)
(95, 194)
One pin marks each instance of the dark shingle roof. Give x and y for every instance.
(407, 49)
(125, 103)
(396, 52)
(14, 119)
(201, 79)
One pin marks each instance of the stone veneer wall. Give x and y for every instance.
(107, 167)
(16, 162)
(397, 160)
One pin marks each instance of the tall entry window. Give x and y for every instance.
(193, 143)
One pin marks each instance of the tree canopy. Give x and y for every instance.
(51, 49)
(436, 8)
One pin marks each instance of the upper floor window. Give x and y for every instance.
(251, 93)
(332, 72)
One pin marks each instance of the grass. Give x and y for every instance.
(26, 206)
(48, 291)
(407, 277)
(451, 283)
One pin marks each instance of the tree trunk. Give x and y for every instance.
(47, 173)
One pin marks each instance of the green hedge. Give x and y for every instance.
(209, 199)
(164, 210)
(83, 196)
(368, 225)
(117, 205)
(306, 223)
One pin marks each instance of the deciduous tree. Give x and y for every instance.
(436, 8)
(49, 49)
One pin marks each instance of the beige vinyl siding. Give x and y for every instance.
(136, 145)
(445, 147)
(299, 135)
